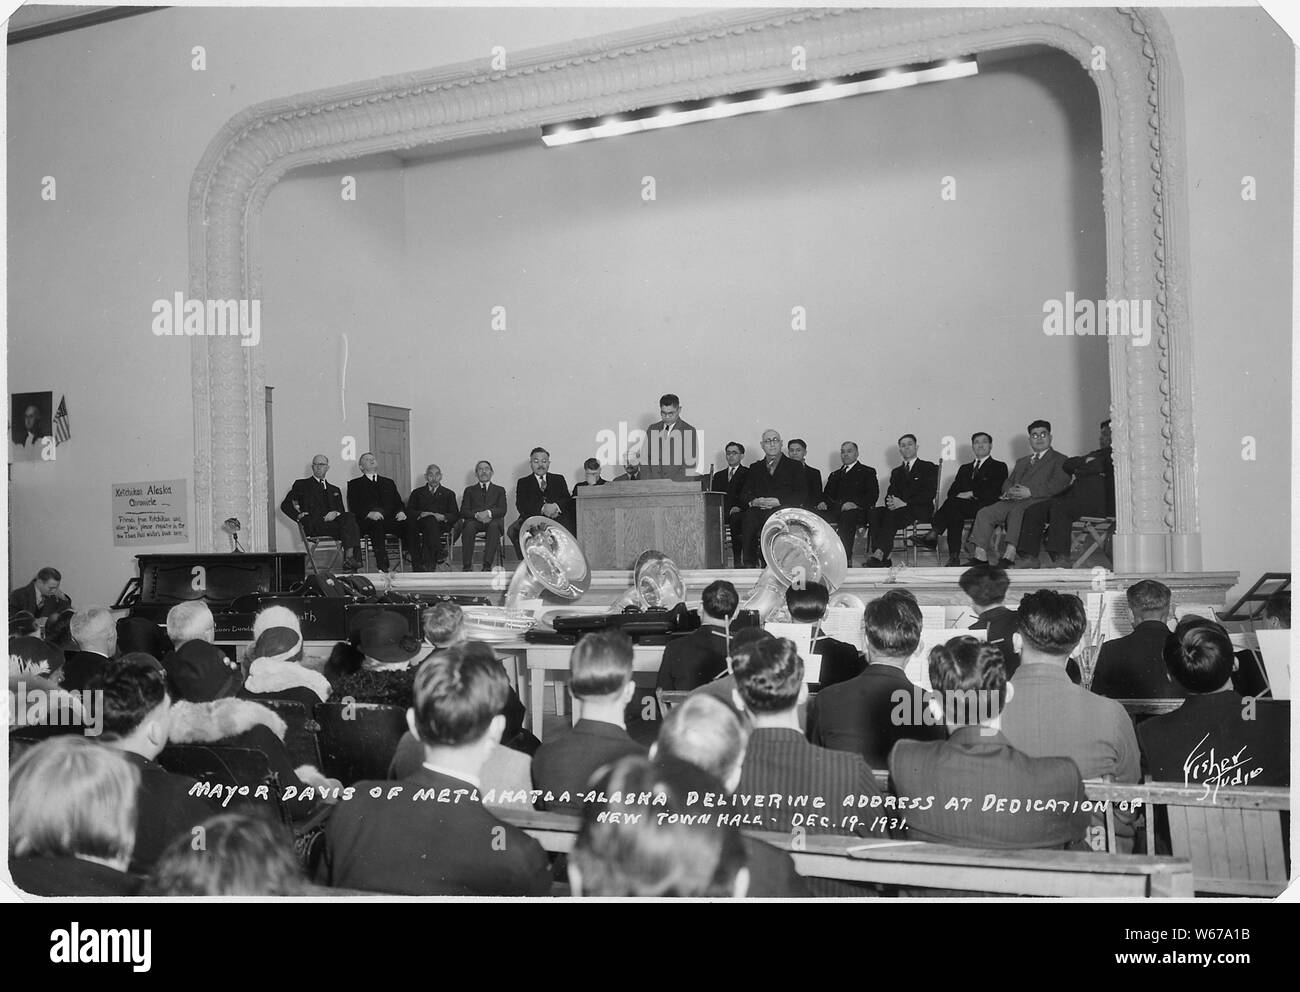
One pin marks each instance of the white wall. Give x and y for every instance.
(116, 114)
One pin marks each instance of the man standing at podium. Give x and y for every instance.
(772, 483)
(672, 445)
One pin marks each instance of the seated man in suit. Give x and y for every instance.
(541, 493)
(672, 444)
(1217, 737)
(702, 745)
(41, 597)
(698, 658)
(1133, 666)
(601, 682)
(731, 480)
(970, 690)
(319, 505)
(839, 661)
(1049, 716)
(978, 484)
(851, 493)
(373, 499)
(137, 714)
(482, 509)
(431, 511)
(772, 484)
(1037, 476)
(1092, 494)
(434, 837)
(95, 632)
(779, 761)
(797, 449)
(632, 469)
(986, 588)
(912, 487)
(869, 713)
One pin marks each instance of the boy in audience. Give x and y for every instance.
(970, 691)
(698, 658)
(137, 714)
(434, 837)
(807, 603)
(868, 714)
(702, 746)
(1133, 666)
(1049, 716)
(1217, 736)
(600, 679)
(986, 588)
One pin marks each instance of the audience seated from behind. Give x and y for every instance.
(970, 691)
(701, 656)
(986, 587)
(74, 840)
(652, 855)
(868, 714)
(1217, 736)
(143, 636)
(840, 661)
(137, 716)
(240, 855)
(435, 837)
(1133, 666)
(601, 682)
(702, 747)
(378, 665)
(35, 670)
(95, 633)
(58, 631)
(1048, 716)
(273, 668)
(1249, 677)
(203, 684)
(723, 687)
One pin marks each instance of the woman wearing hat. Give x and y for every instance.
(378, 665)
(274, 663)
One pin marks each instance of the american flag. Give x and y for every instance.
(62, 429)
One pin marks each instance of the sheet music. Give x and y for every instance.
(800, 633)
(934, 616)
(960, 616)
(1116, 620)
(1196, 609)
(918, 666)
(1275, 649)
(844, 623)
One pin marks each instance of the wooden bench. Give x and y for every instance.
(1232, 837)
(1075, 874)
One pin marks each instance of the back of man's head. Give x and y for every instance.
(94, 630)
(969, 677)
(443, 622)
(1199, 655)
(704, 732)
(769, 675)
(190, 621)
(807, 603)
(720, 599)
(893, 626)
(601, 664)
(1277, 609)
(1148, 600)
(1052, 623)
(457, 694)
(134, 687)
(985, 585)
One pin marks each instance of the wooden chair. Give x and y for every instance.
(908, 538)
(358, 740)
(457, 533)
(1099, 530)
(321, 543)
(1233, 836)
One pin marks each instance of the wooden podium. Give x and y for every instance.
(619, 520)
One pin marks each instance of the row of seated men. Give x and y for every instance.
(750, 731)
(1043, 488)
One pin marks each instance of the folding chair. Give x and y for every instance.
(322, 542)
(1100, 530)
(908, 538)
(392, 544)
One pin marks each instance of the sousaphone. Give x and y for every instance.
(656, 584)
(799, 547)
(554, 568)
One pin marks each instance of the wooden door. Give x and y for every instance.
(390, 442)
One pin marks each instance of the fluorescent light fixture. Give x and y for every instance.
(756, 101)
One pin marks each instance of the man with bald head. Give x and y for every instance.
(319, 505)
(378, 507)
(431, 512)
(772, 483)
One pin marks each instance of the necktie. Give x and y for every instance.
(978, 463)
(323, 485)
(485, 489)
(541, 482)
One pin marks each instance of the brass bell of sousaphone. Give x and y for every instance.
(554, 568)
(656, 584)
(799, 547)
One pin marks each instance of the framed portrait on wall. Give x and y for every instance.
(30, 417)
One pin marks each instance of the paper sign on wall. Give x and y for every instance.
(154, 512)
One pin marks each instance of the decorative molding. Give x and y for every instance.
(1142, 166)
